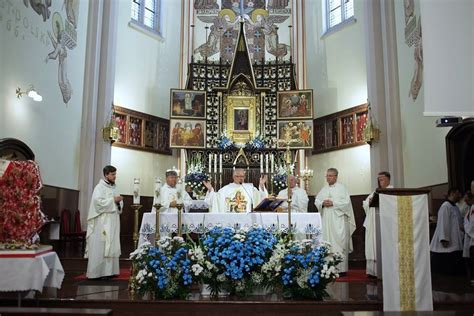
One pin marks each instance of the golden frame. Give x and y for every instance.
(244, 105)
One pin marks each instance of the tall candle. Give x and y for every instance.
(136, 191)
(210, 162)
(272, 163)
(215, 163)
(266, 163)
(261, 163)
(220, 163)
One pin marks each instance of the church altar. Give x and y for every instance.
(199, 223)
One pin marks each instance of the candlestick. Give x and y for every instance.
(136, 208)
(272, 166)
(157, 186)
(261, 163)
(136, 191)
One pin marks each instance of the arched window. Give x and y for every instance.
(146, 13)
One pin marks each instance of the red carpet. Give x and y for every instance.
(124, 275)
(355, 276)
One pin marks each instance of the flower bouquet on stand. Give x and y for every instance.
(194, 178)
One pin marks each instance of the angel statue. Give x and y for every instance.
(224, 21)
(60, 53)
(262, 20)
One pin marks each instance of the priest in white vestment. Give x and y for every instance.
(103, 228)
(447, 242)
(299, 198)
(171, 194)
(383, 180)
(468, 251)
(237, 196)
(338, 222)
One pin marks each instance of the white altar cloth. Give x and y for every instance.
(24, 274)
(199, 223)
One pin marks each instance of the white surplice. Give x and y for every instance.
(370, 237)
(103, 232)
(241, 198)
(447, 228)
(469, 234)
(338, 222)
(299, 200)
(167, 195)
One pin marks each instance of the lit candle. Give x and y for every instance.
(261, 163)
(272, 163)
(266, 163)
(136, 191)
(215, 163)
(220, 163)
(210, 162)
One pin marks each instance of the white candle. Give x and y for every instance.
(261, 163)
(266, 163)
(136, 191)
(215, 163)
(220, 163)
(210, 163)
(272, 163)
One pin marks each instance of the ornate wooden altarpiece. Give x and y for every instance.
(235, 86)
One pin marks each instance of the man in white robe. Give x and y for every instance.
(383, 180)
(468, 251)
(447, 243)
(299, 198)
(103, 228)
(171, 194)
(338, 222)
(237, 196)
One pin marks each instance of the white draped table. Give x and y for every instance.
(34, 273)
(199, 223)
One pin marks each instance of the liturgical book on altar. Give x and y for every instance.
(269, 204)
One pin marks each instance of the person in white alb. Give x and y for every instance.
(383, 180)
(468, 251)
(171, 194)
(447, 243)
(338, 222)
(103, 228)
(237, 196)
(299, 198)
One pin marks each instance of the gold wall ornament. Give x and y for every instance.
(110, 132)
(371, 129)
(241, 118)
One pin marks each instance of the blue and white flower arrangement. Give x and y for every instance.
(225, 143)
(234, 261)
(195, 177)
(256, 144)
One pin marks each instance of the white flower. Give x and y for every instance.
(197, 269)
(178, 239)
(221, 277)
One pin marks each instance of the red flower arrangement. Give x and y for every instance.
(20, 214)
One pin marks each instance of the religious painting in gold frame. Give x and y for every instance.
(299, 134)
(187, 133)
(241, 118)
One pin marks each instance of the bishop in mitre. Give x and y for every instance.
(237, 196)
(383, 180)
(338, 221)
(171, 194)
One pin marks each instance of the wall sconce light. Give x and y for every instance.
(110, 131)
(31, 92)
(371, 129)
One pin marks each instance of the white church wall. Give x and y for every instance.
(424, 149)
(147, 68)
(336, 71)
(51, 127)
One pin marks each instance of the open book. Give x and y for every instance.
(269, 204)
